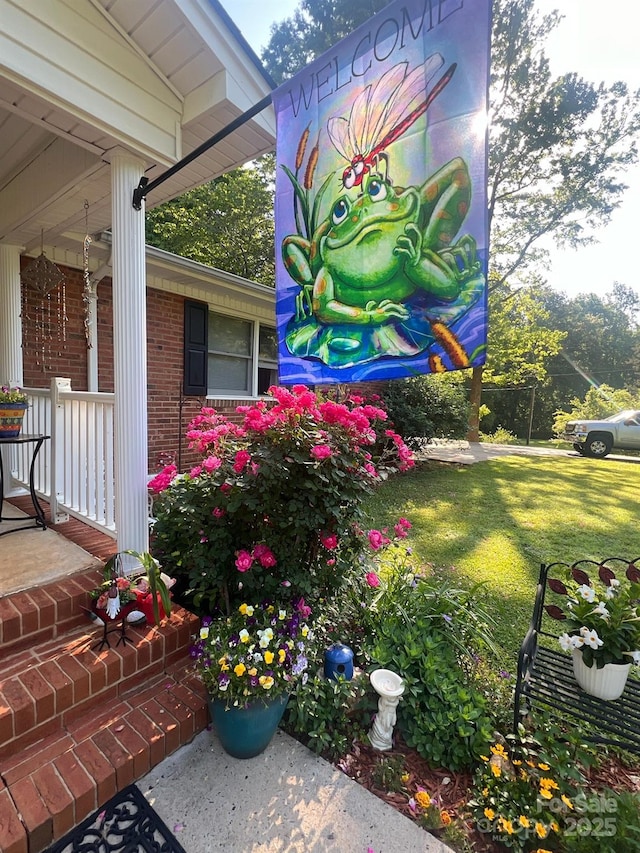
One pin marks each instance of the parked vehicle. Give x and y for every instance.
(598, 438)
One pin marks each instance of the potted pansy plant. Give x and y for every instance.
(13, 405)
(601, 617)
(249, 662)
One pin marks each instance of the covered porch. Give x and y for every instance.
(92, 99)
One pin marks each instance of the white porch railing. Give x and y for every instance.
(74, 471)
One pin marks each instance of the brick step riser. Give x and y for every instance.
(45, 613)
(41, 697)
(58, 782)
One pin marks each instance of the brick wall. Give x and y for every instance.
(47, 356)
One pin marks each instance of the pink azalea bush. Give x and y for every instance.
(274, 506)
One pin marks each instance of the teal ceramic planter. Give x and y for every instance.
(246, 732)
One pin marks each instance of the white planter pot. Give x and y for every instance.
(606, 683)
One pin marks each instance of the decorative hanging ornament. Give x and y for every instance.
(44, 307)
(87, 291)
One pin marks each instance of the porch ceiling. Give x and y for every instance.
(177, 71)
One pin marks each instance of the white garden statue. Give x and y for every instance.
(389, 688)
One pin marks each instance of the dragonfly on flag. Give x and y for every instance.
(381, 199)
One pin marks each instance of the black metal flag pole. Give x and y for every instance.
(145, 187)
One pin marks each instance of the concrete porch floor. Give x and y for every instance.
(32, 556)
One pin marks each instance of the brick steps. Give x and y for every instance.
(78, 724)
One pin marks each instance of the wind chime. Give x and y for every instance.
(87, 290)
(44, 309)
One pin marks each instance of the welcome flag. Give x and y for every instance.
(381, 210)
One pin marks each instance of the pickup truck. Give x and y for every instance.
(598, 438)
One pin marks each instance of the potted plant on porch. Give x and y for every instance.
(250, 662)
(601, 615)
(13, 405)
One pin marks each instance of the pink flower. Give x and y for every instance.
(264, 555)
(195, 472)
(242, 457)
(211, 463)
(303, 609)
(162, 480)
(244, 561)
(372, 579)
(331, 562)
(218, 512)
(225, 488)
(329, 540)
(321, 451)
(370, 469)
(377, 539)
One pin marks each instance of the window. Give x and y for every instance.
(230, 351)
(242, 357)
(267, 359)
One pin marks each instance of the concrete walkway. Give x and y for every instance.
(286, 800)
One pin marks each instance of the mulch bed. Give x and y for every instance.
(451, 791)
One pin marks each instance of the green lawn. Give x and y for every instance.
(497, 521)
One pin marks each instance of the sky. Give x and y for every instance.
(598, 40)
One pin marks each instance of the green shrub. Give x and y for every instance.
(499, 436)
(606, 820)
(527, 787)
(426, 407)
(422, 628)
(327, 715)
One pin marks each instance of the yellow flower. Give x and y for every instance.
(304, 630)
(505, 825)
(445, 817)
(224, 666)
(496, 771)
(266, 681)
(498, 749)
(485, 792)
(243, 609)
(523, 774)
(566, 801)
(523, 820)
(531, 763)
(405, 777)
(423, 799)
(554, 826)
(204, 633)
(484, 757)
(546, 793)
(253, 671)
(489, 814)
(544, 767)
(240, 669)
(281, 655)
(268, 657)
(542, 850)
(541, 830)
(516, 762)
(548, 783)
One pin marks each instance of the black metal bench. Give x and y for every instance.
(545, 677)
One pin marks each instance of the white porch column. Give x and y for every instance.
(130, 354)
(10, 322)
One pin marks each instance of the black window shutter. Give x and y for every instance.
(196, 326)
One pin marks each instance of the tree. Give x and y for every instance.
(558, 146)
(227, 223)
(315, 26)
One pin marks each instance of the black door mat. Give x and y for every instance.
(126, 824)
